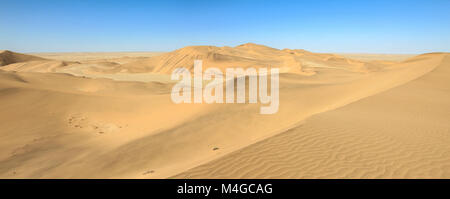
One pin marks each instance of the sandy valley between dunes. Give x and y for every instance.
(112, 117)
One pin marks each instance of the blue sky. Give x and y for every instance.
(322, 26)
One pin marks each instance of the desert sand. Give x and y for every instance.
(109, 115)
(378, 57)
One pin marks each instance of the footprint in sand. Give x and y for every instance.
(80, 121)
(148, 172)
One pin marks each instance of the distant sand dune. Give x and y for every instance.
(246, 55)
(8, 57)
(378, 57)
(116, 65)
(92, 56)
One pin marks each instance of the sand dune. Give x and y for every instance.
(8, 57)
(57, 125)
(118, 65)
(80, 64)
(378, 57)
(400, 133)
(92, 56)
(246, 55)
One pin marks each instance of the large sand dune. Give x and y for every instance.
(400, 133)
(57, 125)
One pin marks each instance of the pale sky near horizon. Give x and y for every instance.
(321, 26)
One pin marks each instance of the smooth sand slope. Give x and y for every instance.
(401, 133)
(55, 125)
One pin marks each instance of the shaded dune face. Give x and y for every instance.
(65, 126)
(8, 57)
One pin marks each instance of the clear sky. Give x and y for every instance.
(374, 26)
